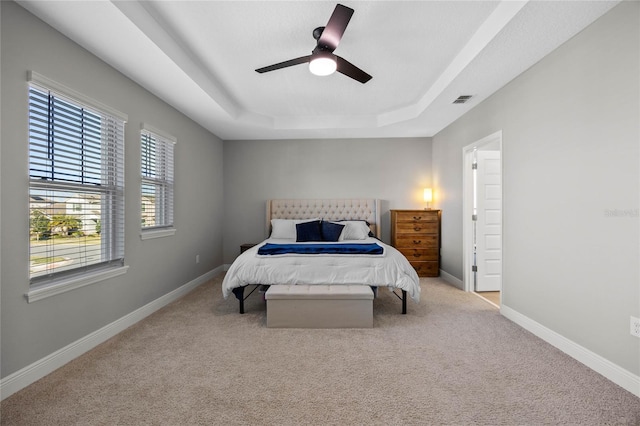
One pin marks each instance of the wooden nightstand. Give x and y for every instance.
(416, 234)
(246, 246)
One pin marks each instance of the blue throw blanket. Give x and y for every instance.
(347, 248)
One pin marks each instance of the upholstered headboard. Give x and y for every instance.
(329, 209)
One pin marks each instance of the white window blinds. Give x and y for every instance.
(76, 186)
(156, 154)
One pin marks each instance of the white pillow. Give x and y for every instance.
(286, 228)
(354, 230)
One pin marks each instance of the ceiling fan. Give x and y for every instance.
(322, 61)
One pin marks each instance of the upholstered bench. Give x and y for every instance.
(319, 306)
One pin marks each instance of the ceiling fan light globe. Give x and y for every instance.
(322, 65)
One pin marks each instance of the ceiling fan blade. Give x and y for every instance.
(334, 30)
(347, 68)
(289, 63)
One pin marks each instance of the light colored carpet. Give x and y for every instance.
(453, 360)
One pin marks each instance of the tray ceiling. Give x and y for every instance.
(200, 57)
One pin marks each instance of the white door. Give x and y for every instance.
(489, 221)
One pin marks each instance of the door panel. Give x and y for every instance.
(489, 222)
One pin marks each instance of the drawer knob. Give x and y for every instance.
(417, 218)
(416, 228)
(416, 254)
(417, 241)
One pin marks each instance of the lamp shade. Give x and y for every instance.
(322, 63)
(428, 195)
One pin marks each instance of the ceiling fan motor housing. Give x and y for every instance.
(317, 32)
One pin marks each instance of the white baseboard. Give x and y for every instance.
(451, 279)
(611, 371)
(31, 373)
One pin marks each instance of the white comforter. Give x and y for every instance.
(391, 270)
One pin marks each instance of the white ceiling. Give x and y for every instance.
(200, 57)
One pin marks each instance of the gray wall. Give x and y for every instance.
(33, 331)
(254, 171)
(570, 158)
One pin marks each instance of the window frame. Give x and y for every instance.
(112, 265)
(164, 151)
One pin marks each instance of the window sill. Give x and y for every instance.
(72, 283)
(157, 233)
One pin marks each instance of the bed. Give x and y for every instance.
(349, 252)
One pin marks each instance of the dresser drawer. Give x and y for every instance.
(426, 269)
(417, 216)
(416, 241)
(416, 227)
(419, 254)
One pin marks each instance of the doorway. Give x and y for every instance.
(482, 217)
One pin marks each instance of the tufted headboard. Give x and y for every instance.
(329, 209)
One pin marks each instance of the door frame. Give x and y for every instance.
(467, 205)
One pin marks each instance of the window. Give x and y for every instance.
(156, 190)
(76, 187)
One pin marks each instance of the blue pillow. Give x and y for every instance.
(331, 231)
(308, 231)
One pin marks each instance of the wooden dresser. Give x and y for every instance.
(416, 234)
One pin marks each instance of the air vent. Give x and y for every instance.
(462, 99)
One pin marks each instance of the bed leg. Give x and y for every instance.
(239, 293)
(404, 302)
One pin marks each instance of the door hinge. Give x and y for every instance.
(474, 166)
(474, 268)
(474, 217)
